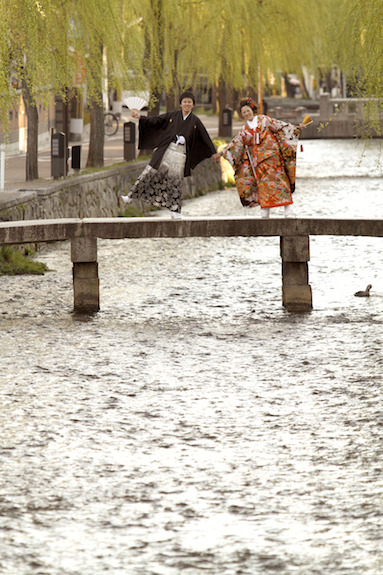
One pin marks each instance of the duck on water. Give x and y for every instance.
(364, 293)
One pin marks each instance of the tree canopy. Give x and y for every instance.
(166, 44)
(362, 59)
(50, 43)
(47, 46)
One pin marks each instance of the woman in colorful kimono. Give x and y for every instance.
(180, 141)
(263, 156)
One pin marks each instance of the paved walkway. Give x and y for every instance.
(113, 153)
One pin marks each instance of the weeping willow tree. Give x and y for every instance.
(25, 56)
(187, 39)
(289, 36)
(44, 44)
(167, 45)
(108, 42)
(236, 43)
(362, 58)
(363, 54)
(330, 39)
(7, 93)
(180, 33)
(158, 22)
(100, 40)
(223, 58)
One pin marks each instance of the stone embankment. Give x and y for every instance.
(96, 195)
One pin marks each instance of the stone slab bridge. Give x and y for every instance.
(83, 233)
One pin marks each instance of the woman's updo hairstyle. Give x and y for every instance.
(248, 102)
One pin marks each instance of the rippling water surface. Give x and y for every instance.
(193, 425)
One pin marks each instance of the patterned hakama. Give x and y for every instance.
(162, 187)
(264, 161)
(161, 182)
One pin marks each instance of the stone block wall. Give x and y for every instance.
(95, 195)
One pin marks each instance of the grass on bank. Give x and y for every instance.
(132, 211)
(13, 263)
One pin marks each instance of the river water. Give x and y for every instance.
(193, 425)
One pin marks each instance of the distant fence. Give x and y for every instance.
(337, 117)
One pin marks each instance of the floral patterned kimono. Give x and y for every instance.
(263, 156)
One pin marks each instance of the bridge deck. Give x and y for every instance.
(83, 233)
(35, 231)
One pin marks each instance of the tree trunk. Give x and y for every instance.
(97, 134)
(214, 99)
(170, 101)
(154, 110)
(97, 125)
(173, 94)
(154, 107)
(31, 163)
(302, 85)
(290, 89)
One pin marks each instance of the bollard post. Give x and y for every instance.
(296, 291)
(129, 141)
(59, 164)
(76, 158)
(226, 123)
(86, 285)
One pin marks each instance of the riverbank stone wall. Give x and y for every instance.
(98, 194)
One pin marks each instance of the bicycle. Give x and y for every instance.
(110, 123)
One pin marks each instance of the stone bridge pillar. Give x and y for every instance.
(296, 291)
(86, 288)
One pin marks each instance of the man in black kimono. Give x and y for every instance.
(180, 142)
